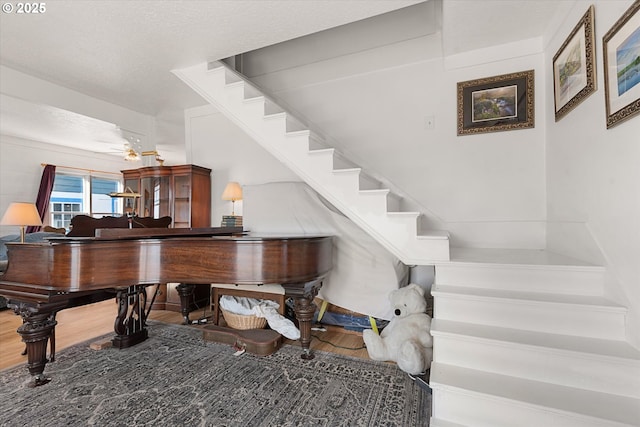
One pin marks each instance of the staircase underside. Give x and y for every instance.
(375, 210)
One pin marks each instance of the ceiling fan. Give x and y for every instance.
(132, 148)
(131, 155)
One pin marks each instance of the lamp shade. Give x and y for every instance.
(232, 192)
(22, 214)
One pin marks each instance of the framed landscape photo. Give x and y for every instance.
(621, 51)
(496, 103)
(574, 67)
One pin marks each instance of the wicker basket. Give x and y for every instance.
(240, 321)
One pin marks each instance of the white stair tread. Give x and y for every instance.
(383, 191)
(566, 399)
(590, 347)
(275, 116)
(259, 98)
(585, 300)
(523, 257)
(348, 170)
(434, 234)
(294, 133)
(439, 422)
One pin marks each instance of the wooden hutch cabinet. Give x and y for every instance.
(182, 192)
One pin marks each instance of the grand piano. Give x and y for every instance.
(43, 278)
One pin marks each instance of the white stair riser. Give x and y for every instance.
(234, 95)
(215, 75)
(318, 163)
(347, 179)
(545, 279)
(368, 183)
(393, 203)
(274, 126)
(480, 410)
(374, 201)
(254, 109)
(602, 374)
(564, 319)
(215, 82)
(297, 144)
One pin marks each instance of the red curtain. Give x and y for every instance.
(44, 194)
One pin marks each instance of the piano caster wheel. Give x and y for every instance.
(307, 354)
(40, 379)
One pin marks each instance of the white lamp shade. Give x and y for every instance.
(232, 192)
(20, 213)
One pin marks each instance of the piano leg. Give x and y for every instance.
(305, 309)
(131, 322)
(38, 325)
(185, 290)
(303, 295)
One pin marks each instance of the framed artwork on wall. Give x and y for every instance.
(574, 66)
(496, 103)
(621, 51)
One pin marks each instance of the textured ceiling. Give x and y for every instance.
(123, 51)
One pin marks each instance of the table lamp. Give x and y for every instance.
(21, 214)
(232, 192)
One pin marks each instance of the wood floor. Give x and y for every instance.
(80, 324)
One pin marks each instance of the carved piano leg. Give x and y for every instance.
(130, 324)
(305, 309)
(52, 341)
(38, 323)
(185, 290)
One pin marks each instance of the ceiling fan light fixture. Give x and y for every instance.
(131, 155)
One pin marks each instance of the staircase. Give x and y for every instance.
(376, 210)
(524, 338)
(521, 338)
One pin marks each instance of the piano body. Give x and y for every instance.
(43, 278)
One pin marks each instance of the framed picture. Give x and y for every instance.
(574, 67)
(495, 104)
(621, 50)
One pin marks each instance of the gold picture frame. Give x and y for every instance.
(498, 103)
(621, 51)
(574, 67)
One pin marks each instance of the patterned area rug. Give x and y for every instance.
(176, 378)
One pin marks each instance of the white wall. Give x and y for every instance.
(593, 175)
(487, 190)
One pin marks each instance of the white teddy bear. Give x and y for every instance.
(406, 340)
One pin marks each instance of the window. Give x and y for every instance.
(62, 212)
(83, 194)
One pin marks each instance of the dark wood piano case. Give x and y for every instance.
(261, 342)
